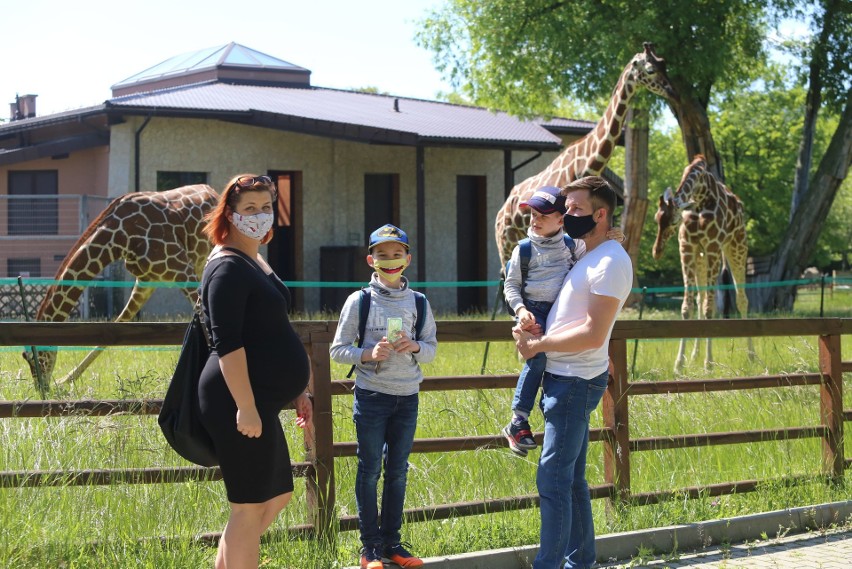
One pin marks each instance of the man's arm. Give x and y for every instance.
(589, 335)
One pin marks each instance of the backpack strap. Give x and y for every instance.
(363, 311)
(524, 254)
(572, 245)
(420, 307)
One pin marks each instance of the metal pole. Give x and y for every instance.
(40, 383)
(636, 341)
(821, 294)
(493, 317)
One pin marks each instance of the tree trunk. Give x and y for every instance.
(635, 185)
(695, 128)
(800, 240)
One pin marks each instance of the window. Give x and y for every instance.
(23, 267)
(31, 210)
(172, 180)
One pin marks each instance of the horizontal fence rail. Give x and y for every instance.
(322, 449)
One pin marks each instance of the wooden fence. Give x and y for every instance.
(322, 449)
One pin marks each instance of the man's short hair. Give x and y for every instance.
(601, 193)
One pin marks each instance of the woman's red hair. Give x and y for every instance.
(217, 224)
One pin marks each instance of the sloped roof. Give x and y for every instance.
(231, 62)
(379, 118)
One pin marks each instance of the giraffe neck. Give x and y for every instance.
(603, 139)
(84, 265)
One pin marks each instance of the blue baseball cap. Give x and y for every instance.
(388, 233)
(546, 200)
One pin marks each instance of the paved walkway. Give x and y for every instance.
(812, 550)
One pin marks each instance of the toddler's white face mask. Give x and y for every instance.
(390, 269)
(253, 226)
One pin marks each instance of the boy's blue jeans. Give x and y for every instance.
(567, 530)
(384, 426)
(530, 379)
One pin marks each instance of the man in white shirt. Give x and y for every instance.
(577, 340)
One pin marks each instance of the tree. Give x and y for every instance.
(524, 55)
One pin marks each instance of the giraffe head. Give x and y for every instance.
(668, 218)
(648, 70)
(46, 361)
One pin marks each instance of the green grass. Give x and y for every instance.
(118, 525)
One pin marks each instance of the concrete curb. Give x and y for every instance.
(683, 538)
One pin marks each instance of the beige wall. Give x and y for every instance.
(333, 183)
(83, 173)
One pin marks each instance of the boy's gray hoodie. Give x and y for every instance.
(400, 374)
(550, 261)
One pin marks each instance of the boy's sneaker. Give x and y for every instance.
(399, 555)
(520, 437)
(371, 557)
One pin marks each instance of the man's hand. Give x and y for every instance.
(526, 340)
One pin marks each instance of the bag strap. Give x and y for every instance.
(199, 313)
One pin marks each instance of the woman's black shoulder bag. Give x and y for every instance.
(180, 415)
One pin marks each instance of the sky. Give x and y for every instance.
(71, 53)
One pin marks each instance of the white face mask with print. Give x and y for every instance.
(253, 226)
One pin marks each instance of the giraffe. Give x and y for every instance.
(588, 155)
(158, 234)
(712, 232)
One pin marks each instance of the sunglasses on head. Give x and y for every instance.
(246, 182)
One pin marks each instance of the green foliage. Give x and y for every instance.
(524, 55)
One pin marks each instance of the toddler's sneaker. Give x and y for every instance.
(371, 557)
(398, 554)
(519, 436)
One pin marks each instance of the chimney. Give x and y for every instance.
(24, 107)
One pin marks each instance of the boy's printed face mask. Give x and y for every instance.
(391, 269)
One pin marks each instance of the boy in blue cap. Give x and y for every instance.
(551, 255)
(396, 340)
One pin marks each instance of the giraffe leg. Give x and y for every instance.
(712, 268)
(687, 257)
(736, 256)
(138, 297)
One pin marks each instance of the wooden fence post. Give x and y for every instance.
(319, 442)
(617, 445)
(831, 405)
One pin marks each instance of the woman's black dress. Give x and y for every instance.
(245, 308)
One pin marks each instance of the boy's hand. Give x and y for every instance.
(616, 234)
(525, 317)
(405, 344)
(380, 351)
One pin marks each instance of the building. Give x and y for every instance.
(346, 162)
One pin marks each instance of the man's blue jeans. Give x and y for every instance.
(384, 425)
(530, 379)
(567, 530)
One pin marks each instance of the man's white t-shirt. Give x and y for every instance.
(607, 271)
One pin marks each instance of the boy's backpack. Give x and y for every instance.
(364, 310)
(524, 254)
